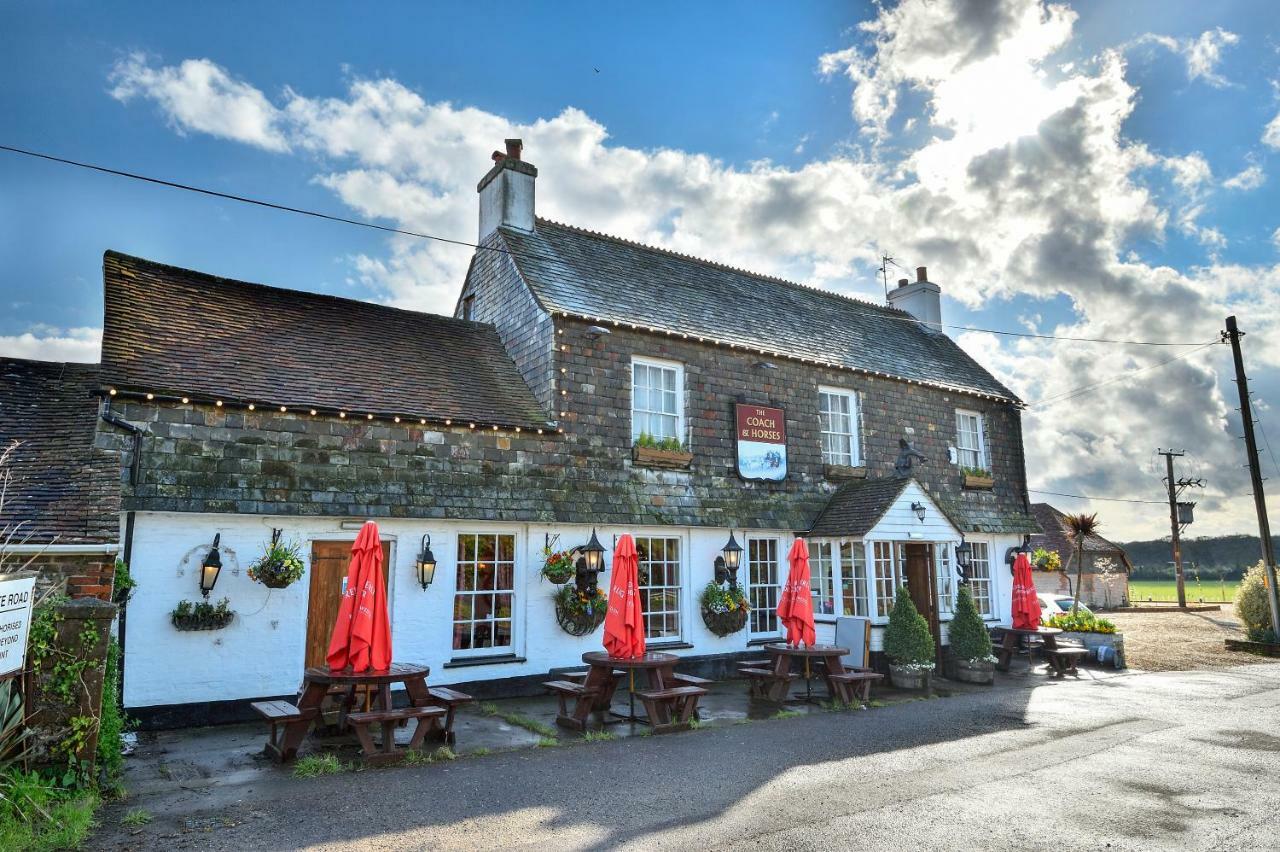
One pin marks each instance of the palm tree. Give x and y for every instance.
(1079, 527)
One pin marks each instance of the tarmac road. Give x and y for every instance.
(1176, 760)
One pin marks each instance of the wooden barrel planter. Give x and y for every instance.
(724, 623)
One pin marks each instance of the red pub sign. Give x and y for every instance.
(761, 441)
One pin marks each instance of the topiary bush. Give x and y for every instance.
(968, 635)
(907, 640)
(1252, 607)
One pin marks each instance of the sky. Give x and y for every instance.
(1087, 169)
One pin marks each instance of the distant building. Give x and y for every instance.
(1105, 582)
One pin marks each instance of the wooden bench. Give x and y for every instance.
(1064, 659)
(278, 714)
(765, 681)
(860, 680)
(564, 690)
(450, 699)
(659, 703)
(427, 718)
(691, 680)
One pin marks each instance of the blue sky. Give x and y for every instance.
(801, 140)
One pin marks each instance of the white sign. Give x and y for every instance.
(17, 594)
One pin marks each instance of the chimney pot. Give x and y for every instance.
(922, 274)
(506, 191)
(920, 298)
(902, 282)
(514, 147)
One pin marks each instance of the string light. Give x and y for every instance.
(473, 425)
(283, 410)
(369, 417)
(218, 403)
(397, 419)
(423, 421)
(313, 412)
(185, 400)
(251, 406)
(112, 391)
(151, 396)
(342, 414)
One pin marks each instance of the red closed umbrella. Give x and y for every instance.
(795, 607)
(1026, 603)
(624, 623)
(362, 634)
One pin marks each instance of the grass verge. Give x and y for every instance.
(520, 720)
(315, 765)
(35, 815)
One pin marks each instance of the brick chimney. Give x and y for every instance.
(506, 192)
(920, 298)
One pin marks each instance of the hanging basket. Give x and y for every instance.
(211, 621)
(579, 623)
(724, 623)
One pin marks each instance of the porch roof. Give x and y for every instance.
(858, 507)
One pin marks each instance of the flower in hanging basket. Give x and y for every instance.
(279, 566)
(578, 613)
(201, 615)
(557, 565)
(724, 608)
(1046, 560)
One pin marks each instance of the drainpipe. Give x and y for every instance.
(135, 462)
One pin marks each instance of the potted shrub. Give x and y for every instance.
(660, 452)
(579, 612)
(279, 566)
(908, 644)
(201, 615)
(978, 477)
(972, 658)
(724, 609)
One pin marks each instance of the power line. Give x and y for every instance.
(1263, 429)
(447, 240)
(1080, 391)
(1087, 497)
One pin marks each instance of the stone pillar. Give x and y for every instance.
(66, 703)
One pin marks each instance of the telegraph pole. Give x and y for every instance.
(1169, 456)
(1233, 335)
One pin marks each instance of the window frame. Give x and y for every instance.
(883, 603)
(855, 425)
(779, 564)
(988, 580)
(678, 587)
(981, 450)
(659, 364)
(843, 578)
(945, 579)
(517, 581)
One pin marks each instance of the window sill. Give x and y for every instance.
(496, 659)
(765, 640)
(840, 472)
(665, 459)
(667, 646)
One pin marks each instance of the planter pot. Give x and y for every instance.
(275, 582)
(904, 678)
(1114, 642)
(672, 459)
(559, 577)
(842, 471)
(982, 483)
(724, 623)
(202, 623)
(971, 672)
(579, 623)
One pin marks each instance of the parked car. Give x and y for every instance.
(1055, 604)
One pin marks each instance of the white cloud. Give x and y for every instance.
(1027, 186)
(1275, 237)
(44, 343)
(1247, 179)
(1202, 55)
(1271, 133)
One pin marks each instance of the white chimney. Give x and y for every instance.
(506, 192)
(920, 298)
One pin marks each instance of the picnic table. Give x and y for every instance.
(843, 684)
(290, 723)
(1061, 660)
(670, 699)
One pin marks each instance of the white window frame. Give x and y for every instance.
(824, 568)
(844, 555)
(678, 588)
(517, 581)
(982, 586)
(753, 587)
(882, 595)
(850, 576)
(981, 449)
(854, 434)
(658, 364)
(944, 566)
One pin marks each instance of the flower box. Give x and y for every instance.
(653, 457)
(843, 471)
(978, 483)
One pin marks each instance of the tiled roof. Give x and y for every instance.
(1056, 537)
(589, 274)
(183, 333)
(858, 506)
(62, 489)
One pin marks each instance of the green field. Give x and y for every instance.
(1210, 591)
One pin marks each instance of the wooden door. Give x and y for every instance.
(329, 563)
(921, 583)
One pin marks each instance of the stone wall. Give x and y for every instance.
(84, 575)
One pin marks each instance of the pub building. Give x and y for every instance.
(585, 384)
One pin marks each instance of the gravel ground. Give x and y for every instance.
(1180, 641)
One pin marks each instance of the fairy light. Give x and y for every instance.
(151, 396)
(313, 412)
(185, 400)
(397, 419)
(251, 406)
(495, 428)
(473, 425)
(284, 410)
(539, 431)
(448, 421)
(342, 414)
(368, 417)
(423, 421)
(218, 403)
(112, 391)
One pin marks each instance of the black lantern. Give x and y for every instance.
(730, 561)
(594, 552)
(211, 567)
(963, 551)
(919, 509)
(426, 563)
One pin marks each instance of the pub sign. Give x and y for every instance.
(761, 441)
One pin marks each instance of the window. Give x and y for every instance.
(765, 585)
(468, 306)
(483, 602)
(946, 577)
(980, 577)
(971, 450)
(660, 586)
(884, 557)
(656, 404)
(838, 414)
(853, 578)
(822, 575)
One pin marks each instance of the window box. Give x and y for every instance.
(975, 482)
(843, 471)
(653, 457)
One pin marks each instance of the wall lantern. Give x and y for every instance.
(727, 563)
(594, 553)
(211, 567)
(426, 563)
(963, 551)
(919, 509)
(1011, 555)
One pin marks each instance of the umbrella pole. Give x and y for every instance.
(808, 681)
(631, 695)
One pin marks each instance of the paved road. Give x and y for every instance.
(1182, 760)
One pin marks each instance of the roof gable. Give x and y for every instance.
(858, 508)
(593, 275)
(187, 333)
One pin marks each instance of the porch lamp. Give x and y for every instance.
(594, 553)
(426, 563)
(919, 509)
(731, 558)
(211, 567)
(963, 551)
